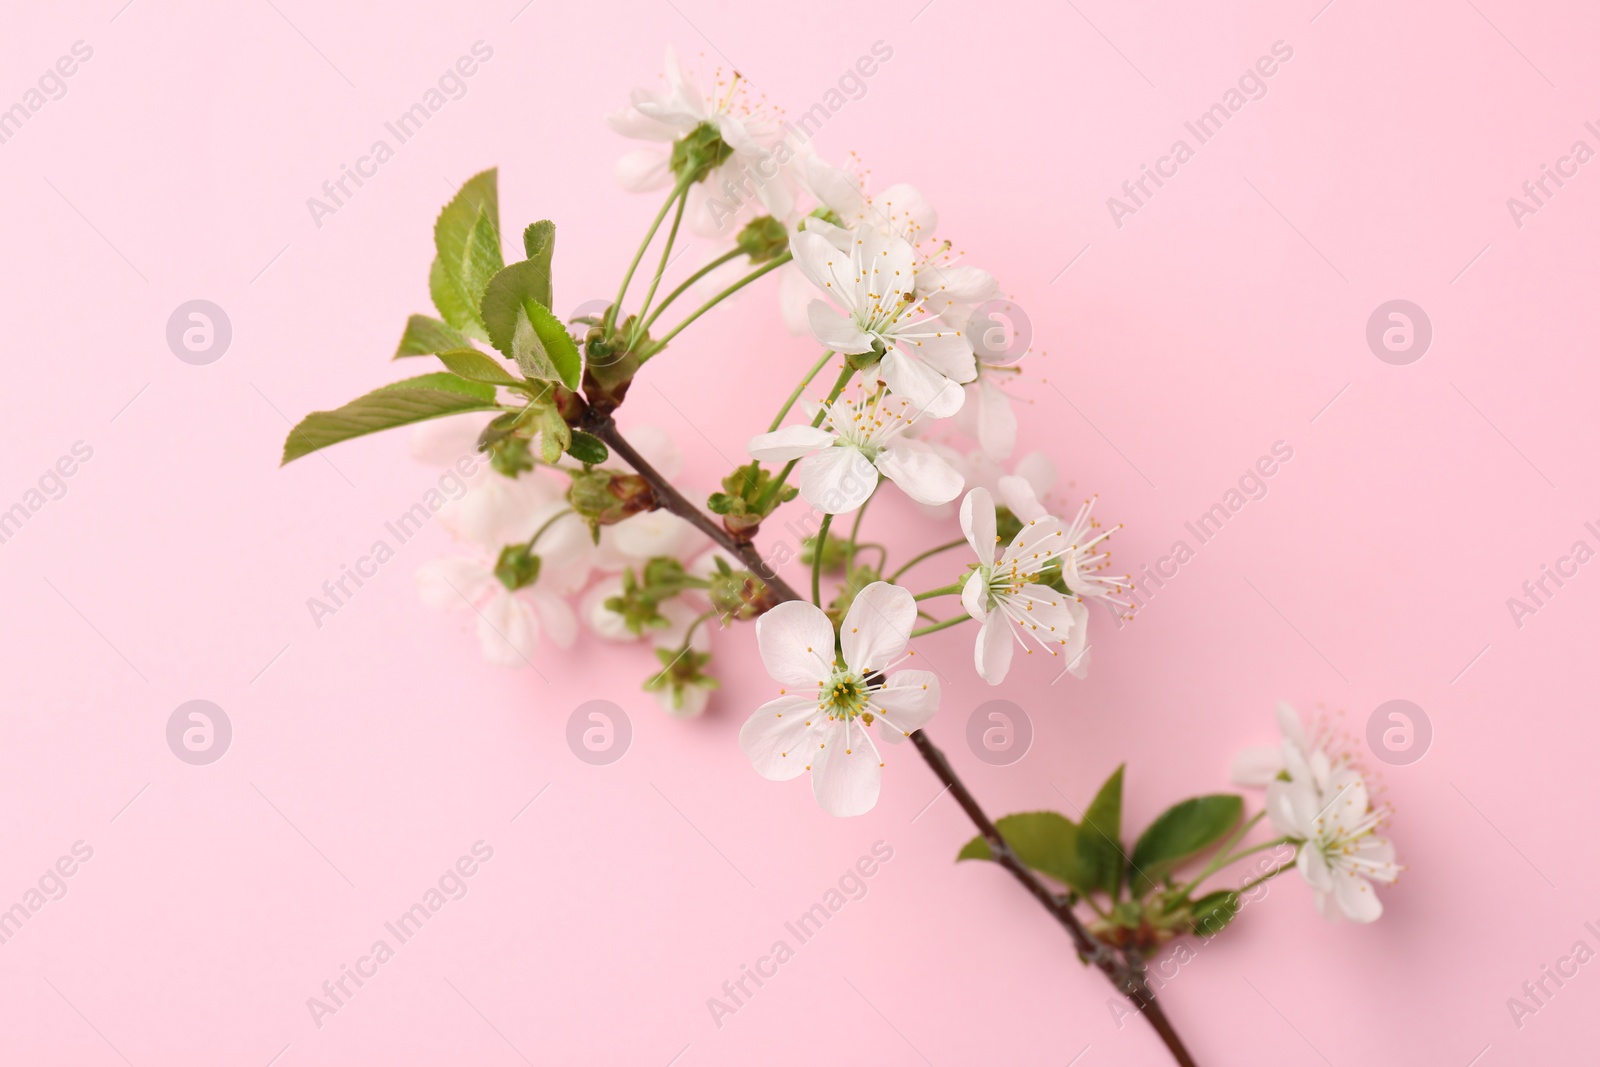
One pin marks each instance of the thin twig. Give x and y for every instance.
(1127, 975)
(672, 500)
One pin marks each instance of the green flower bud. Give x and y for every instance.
(517, 567)
(605, 498)
(763, 239)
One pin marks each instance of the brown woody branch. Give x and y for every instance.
(1126, 974)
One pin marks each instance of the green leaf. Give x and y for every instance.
(547, 346)
(555, 436)
(398, 404)
(427, 336)
(508, 292)
(587, 448)
(522, 326)
(539, 241)
(474, 366)
(1180, 832)
(466, 237)
(1044, 840)
(1212, 912)
(452, 230)
(1100, 836)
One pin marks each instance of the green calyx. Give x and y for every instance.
(742, 502)
(517, 567)
(699, 152)
(605, 498)
(763, 239)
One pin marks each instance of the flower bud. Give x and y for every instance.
(605, 498)
(517, 567)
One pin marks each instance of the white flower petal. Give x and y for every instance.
(956, 283)
(644, 169)
(846, 773)
(790, 442)
(993, 650)
(886, 263)
(694, 701)
(776, 737)
(943, 348)
(877, 627)
(556, 617)
(822, 264)
(445, 442)
(1314, 868)
(836, 480)
(920, 472)
(508, 630)
(834, 188)
(909, 699)
(1019, 496)
(1256, 766)
(796, 643)
(795, 293)
(652, 533)
(997, 422)
(630, 122)
(1039, 471)
(836, 331)
(907, 210)
(930, 393)
(1289, 725)
(605, 623)
(978, 524)
(975, 596)
(1356, 897)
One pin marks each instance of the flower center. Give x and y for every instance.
(1005, 581)
(867, 425)
(844, 696)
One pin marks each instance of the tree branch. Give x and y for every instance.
(1126, 975)
(671, 500)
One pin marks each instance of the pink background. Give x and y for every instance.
(1223, 316)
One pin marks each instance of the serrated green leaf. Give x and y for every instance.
(507, 293)
(443, 380)
(1180, 832)
(474, 366)
(544, 349)
(539, 241)
(398, 404)
(1044, 840)
(519, 322)
(452, 230)
(466, 237)
(529, 352)
(427, 336)
(449, 296)
(1100, 836)
(587, 448)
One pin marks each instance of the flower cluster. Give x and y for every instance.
(571, 524)
(529, 557)
(1318, 799)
